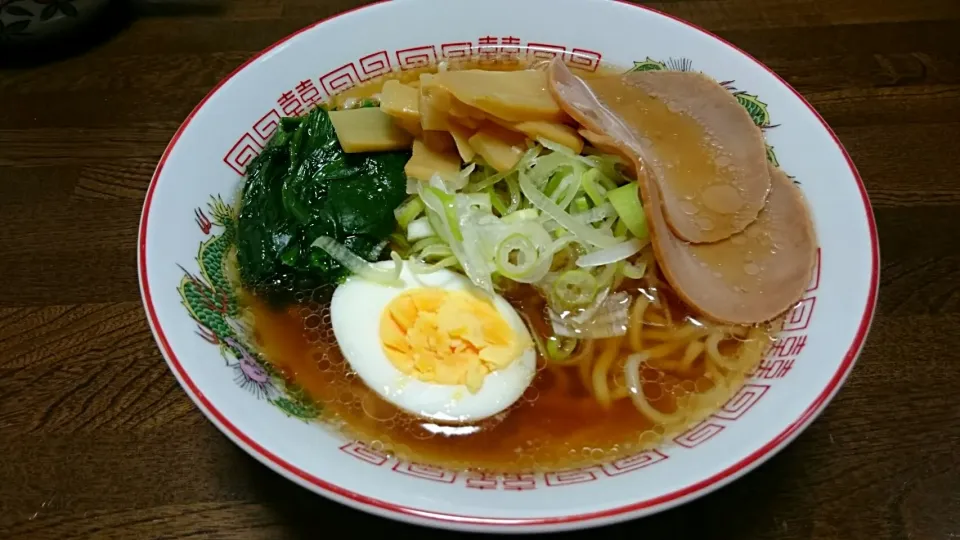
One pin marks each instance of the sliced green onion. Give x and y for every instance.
(633, 271)
(619, 228)
(421, 267)
(580, 204)
(613, 254)
(560, 348)
(494, 179)
(555, 147)
(584, 232)
(436, 250)
(568, 190)
(419, 229)
(420, 244)
(626, 200)
(575, 288)
(463, 177)
(553, 185)
(449, 206)
(592, 187)
(605, 279)
(609, 184)
(595, 214)
(480, 201)
(496, 201)
(376, 272)
(516, 256)
(520, 215)
(515, 197)
(488, 182)
(399, 242)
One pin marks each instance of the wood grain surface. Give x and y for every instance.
(97, 440)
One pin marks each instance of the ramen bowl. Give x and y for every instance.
(188, 225)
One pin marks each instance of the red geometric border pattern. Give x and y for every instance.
(375, 65)
(242, 152)
(799, 318)
(267, 125)
(416, 57)
(503, 481)
(746, 397)
(699, 434)
(342, 78)
(427, 472)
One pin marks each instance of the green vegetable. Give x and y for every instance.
(592, 186)
(516, 256)
(360, 266)
(521, 215)
(626, 201)
(560, 348)
(544, 204)
(408, 211)
(575, 288)
(635, 271)
(304, 186)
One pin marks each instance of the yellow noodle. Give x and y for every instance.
(675, 334)
(601, 370)
(656, 320)
(713, 351)
(664, 349)
(632, 373)
(712, 371)
(635, 332)
(694, 349)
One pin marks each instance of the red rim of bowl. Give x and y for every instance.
(410, 514)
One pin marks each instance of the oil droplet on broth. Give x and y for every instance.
(751, 269)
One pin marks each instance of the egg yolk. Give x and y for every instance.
(446, 337)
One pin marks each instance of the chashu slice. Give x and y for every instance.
(751, 277)
(698, 144)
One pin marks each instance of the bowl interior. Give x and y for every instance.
(187, 221)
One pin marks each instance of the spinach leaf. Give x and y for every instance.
(303, 185)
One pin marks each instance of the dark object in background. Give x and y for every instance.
(34, 32)
(37, 31)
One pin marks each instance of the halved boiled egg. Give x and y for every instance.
(437, 346)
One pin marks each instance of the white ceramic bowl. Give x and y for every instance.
(207, 155)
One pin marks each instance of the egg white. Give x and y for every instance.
(355, 314)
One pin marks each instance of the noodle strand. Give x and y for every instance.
(601, 369)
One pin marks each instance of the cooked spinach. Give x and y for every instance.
(303, 185)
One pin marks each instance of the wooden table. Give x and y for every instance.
(97, 439)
